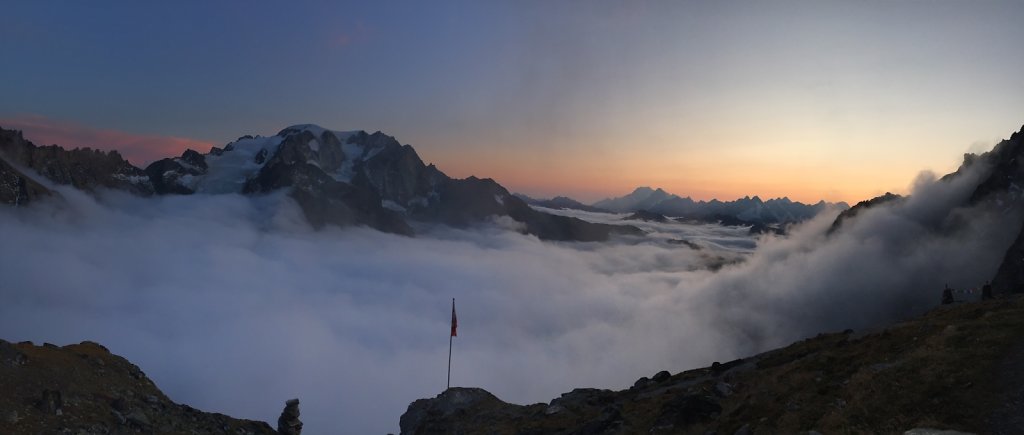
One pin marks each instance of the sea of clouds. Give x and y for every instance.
(233, 304)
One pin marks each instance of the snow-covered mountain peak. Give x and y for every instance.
(227, 171)
(317, 131)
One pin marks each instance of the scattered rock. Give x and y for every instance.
(581, 398)
(11, 417)
(288, 423)
(642, 382)
(743, 430)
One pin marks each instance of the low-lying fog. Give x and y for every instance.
(232, 304)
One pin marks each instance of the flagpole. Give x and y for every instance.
(450, 336)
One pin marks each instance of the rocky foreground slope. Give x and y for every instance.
(84, 389)
(959, 367)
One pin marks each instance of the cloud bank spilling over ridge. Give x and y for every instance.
(233, 304)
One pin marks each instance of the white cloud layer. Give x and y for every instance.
(233, 304)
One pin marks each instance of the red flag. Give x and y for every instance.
(455, 321)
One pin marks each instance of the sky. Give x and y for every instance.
(806, 99)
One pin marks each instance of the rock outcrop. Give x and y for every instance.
(288, 423)
(83, 168)
(84, 389)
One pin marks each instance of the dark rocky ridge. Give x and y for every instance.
(849, 213)
(744, 211)
(83, 168)
(948, 369)
(1006, 183)
(84, 389)
(378, 182)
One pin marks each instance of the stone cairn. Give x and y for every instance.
(288, 423)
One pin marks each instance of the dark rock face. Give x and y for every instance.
(397, 172)
(288, 423)
(18, 189)
(83, 168)
(83, 388)
(168, 175)
(1009, 277)
(1007, 169)
(323, 199)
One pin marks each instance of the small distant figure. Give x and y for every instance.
(986, 291)
(947, 295)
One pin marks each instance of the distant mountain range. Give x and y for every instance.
(743, 211)
(338, 178)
